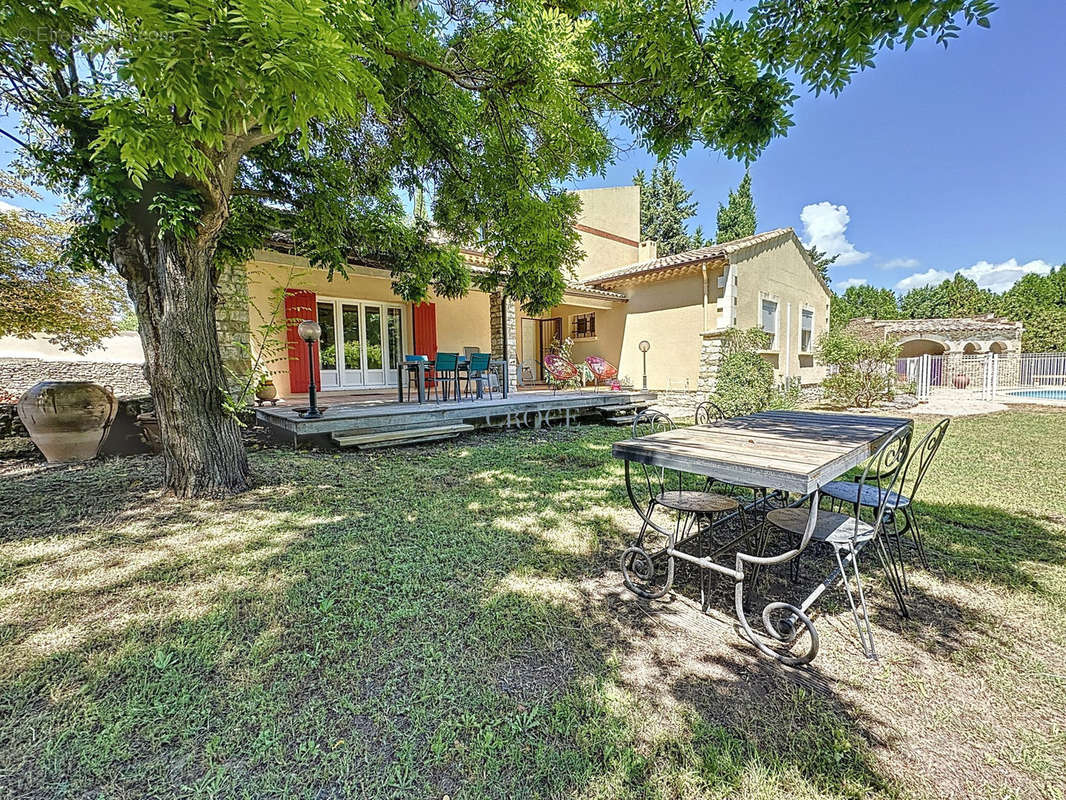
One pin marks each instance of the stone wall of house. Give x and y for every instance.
(497, 333)
(19, 374)
(231, 319)
(865, 328)
(711, 354)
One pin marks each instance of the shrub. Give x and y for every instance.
(862, 371)
(745, 380)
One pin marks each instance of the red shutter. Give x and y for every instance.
(300, 305)
(425, 317)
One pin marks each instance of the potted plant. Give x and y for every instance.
(961, 381)
(266, 391)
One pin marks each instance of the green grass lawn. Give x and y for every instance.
(449, 620)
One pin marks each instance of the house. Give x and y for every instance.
(622, 294)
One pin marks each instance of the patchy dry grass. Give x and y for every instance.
(449, 620)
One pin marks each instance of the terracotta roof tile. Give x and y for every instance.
(933, 324)
(689, 257)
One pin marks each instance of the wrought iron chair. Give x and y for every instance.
(709, 413)
(445, 370)
(602, 371)
(848, 535)
(917, 465)
(478, 372)
(664, 489)
(560, 370)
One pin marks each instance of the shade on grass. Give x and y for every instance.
(447, 620)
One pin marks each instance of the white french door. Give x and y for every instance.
(362, 343)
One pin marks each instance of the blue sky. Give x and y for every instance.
(944, 159)
(935, 161)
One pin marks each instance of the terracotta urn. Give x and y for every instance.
(961, 381)
(267, 390)
(68, 420)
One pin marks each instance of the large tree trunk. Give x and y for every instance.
(172, 284)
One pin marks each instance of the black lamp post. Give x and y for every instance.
(645, 346)
(310, 331)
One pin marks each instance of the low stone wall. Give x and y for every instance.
(19, 374)
(679, 400)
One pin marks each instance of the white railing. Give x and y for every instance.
(987, 374)
(923, 371)
(1041, 369)
(984, 374)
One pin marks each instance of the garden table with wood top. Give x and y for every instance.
(788, 451)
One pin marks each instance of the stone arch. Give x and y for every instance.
(970, 348)
(922, 345)
(998, 347)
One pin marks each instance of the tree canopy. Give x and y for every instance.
(862, 301)
(310, 115)
(665, 206)
(1039, 303)
(958, 296)
(822, 261)
(736, 219)
(41, 295)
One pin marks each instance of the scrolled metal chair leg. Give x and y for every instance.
(637, 563)
(786, 636)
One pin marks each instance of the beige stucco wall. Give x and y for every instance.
(780, 272)
(669, 315)
(615, 210)
(461, 322)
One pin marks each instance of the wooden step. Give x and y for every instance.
(623, 407)
(365, 441)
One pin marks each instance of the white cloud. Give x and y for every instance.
(845, 285)
(901, 263)
(928, 278)
(1002, 276)
(997, 277)
(8, 207)
(825, 226)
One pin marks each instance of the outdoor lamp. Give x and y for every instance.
(645, 346)
(310, 331)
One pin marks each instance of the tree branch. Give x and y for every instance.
(15, 139)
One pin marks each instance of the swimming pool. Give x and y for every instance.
(1040, 394)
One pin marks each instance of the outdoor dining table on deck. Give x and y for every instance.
(789, 451)
(421, 367)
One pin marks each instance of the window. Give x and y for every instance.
(769, 321)
(806, 329)
(327, 344)
(583, 326)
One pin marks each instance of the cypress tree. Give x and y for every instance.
(737, 219)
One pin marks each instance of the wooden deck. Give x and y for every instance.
(349, 415)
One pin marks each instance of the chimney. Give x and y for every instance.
(648, 250)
